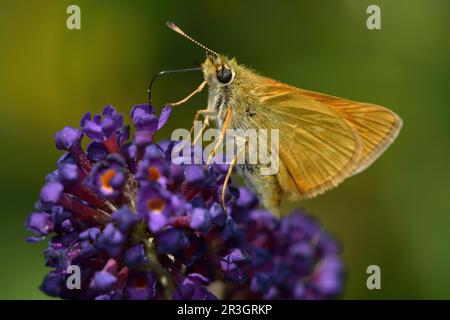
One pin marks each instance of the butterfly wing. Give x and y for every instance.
(323, 139)
(318, 147)
(376, 126)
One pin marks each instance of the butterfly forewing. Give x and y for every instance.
(318, 147)
(323, 139)
(376, 126)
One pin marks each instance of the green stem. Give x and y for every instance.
(140, 235)
(164, 276)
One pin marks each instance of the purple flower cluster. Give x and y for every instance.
(140, 227)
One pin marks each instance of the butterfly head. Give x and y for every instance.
(218, 70)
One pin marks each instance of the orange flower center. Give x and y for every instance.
(153, 173)
(155, 205)
(105, 180)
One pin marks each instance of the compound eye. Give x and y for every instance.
(224, 75)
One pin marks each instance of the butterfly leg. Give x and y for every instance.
(229, 172)
(226, 125)
(225, 183)
(203, 112)
(193, 93)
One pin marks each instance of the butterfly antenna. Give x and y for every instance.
(175, 28)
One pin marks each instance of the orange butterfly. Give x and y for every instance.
(323, 139)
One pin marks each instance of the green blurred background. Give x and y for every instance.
(395, 215)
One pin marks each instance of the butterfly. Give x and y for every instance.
(322, 139)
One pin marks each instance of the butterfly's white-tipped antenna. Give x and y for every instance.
(175, 28)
